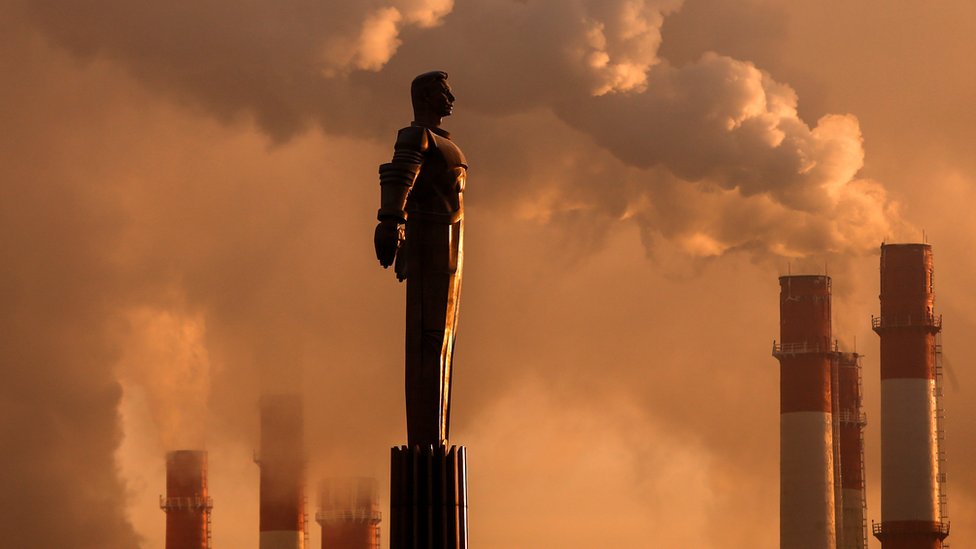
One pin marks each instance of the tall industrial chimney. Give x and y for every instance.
(805, 354)
(835, 434)
(282, 462)
(350, 515)
(911, 493)
(850, 440)
(187, 504)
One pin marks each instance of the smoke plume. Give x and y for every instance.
(728, 134)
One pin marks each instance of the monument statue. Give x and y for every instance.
(420, 233)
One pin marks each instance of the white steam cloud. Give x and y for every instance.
(166, 355)
(379, 35)
(720, 133)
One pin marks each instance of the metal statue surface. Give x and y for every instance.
(420, 232)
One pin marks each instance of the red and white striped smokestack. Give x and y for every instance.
(910, 513)
(350, 515)
(186, 504)
(282, 462)
(853, 534)
(805, 354)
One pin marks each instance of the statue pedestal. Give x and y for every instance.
(429, 498)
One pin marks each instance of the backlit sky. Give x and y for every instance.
(188, 192)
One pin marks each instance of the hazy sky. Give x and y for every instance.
(187, 198)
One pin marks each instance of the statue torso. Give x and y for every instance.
(437, 192)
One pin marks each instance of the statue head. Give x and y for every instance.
(431, 96)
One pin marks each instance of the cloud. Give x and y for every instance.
(609, 464)
(166, 354)
(60, 395)
(379, 36)
(714, 125)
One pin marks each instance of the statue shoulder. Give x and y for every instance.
(414, 138)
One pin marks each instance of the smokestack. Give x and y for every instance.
(805, 354)
(850, 441)
(835, 434)
(911, 494)
(187, 504)
(282, 462)
(350, 515)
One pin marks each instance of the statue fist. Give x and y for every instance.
(387, 239)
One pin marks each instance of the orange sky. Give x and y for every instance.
(186, 210)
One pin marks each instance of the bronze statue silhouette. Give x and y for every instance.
(420, 232)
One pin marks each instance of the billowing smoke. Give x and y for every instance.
(378, 36)
(59, 286)
(167, 352)
(719, 132)
(758, 176)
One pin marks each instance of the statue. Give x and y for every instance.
(420, 232)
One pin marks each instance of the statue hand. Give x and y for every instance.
(386, 239)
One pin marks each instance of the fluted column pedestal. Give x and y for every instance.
(428, 498)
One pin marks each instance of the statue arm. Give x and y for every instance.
(396, 179)
(397, 176)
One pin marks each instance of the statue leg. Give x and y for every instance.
(428, 478)
(433, 290)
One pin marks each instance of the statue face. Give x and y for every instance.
(441, 100)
